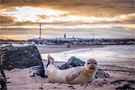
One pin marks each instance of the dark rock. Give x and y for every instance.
(100, 82)
(3, 84)
(101, 74)
(41, 88)
(125, 87)
(120, 81)
(128, 84)
(72, 87)
(22, 57)
(37, 70)
(3, 80)
(74, 62)
(65, 66)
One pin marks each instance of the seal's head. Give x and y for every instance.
(91, 65)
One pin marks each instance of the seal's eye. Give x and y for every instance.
(95, 63)
(88, 63)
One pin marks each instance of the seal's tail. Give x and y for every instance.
(50, 60)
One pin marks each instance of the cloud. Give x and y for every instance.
(81, 7)
(7, 20)
(73, 21)
(105, 18)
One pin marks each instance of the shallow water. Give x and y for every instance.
(123, 54)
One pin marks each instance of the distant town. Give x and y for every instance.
(74, 41)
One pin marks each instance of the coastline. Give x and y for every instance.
(45, 49)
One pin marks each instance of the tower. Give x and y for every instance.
(40, 31)
(93, 36)
(65, 35)
(73, 36)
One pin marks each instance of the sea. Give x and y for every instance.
(121, 55)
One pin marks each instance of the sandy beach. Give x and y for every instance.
(121, 76)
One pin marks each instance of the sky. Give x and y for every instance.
(20, 19)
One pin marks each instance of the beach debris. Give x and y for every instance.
(127, 84)
(100, 82)
(72, 87)
(68, 45)
(41, 88)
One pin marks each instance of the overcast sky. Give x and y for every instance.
(82, 18)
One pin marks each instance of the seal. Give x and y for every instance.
(75, 75)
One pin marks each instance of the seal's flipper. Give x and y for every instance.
(72, 76)
(50, 60)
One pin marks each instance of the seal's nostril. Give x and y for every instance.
(92, 65)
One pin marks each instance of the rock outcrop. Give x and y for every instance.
(25, 56)
(3, 80)
(3, 85)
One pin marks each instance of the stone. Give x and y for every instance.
(3, 80)
(3, 84)
(72, 62)
(36, 70)
(101, 74)
(65, 66)
(25, 56)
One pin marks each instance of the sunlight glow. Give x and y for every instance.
(28, 13)
(64, 19)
